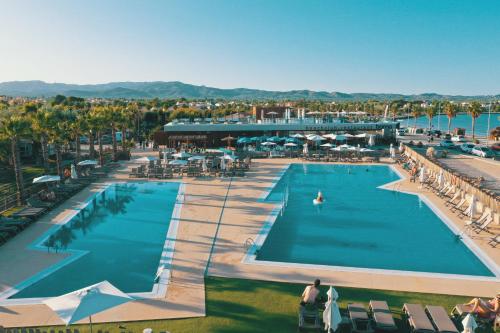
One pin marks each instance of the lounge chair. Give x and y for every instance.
(440, 319)
(382, 316)
(455, 197)
(309, 317)
(417, 319)
(482, 227)
(30, 212)
(459, 206)
(359, 318)
(494, 241)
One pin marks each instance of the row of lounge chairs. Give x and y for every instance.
(459, 203)
(190, 170)
(9, 227)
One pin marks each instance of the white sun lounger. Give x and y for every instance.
(459, 206)
(484, 226)
(455, 197)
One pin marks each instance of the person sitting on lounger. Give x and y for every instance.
(486, 309)
(310, 294)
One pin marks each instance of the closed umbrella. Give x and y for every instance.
(204, 166)
(86, 302)
(331, 315)
(371, 141)
(305, 149)
(223, 164)
(326, 145)
(472, 207)
(422, 175)
(440, 179)
(46, 179)
(87, 162)
(469, 324)
(74, 174)
(392, 151)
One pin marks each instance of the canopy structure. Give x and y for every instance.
(326, 145)
(227, 138)
(315, 137)
(46, 179)
(85, 302)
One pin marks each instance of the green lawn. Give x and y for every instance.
(235, 305)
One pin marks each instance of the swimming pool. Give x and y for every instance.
(120, 236)
(360, 225)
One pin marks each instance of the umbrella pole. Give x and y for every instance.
(90, 320)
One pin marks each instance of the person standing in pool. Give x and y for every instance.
(319, 198)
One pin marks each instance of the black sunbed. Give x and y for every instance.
(382, 316)
(359, 318)
(440, 319)
(417, 318)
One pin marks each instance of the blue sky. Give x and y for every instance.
(412, 46)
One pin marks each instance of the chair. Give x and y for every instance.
(417, 319)
(484, 226)
(382, 316)
(455, 197)
(309, 317)
(359, 318)
(494, 241)
(460, 206)
(440, 319)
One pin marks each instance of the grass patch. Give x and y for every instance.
(235, 305)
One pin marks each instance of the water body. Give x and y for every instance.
(460, 121)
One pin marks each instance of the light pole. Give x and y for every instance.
(488, 128)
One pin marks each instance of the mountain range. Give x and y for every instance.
(175, 89)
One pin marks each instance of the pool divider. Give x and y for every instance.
(250, 256)
(164, 268)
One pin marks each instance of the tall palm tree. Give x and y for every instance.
(475, 109)
(430, 112)
(416, 111)
(394, 110)
(13, 127)
(58, 133)
(40, 125)
(451, 112)
(97, 122)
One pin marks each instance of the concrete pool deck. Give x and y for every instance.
(243, 218)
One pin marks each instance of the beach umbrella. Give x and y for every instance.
(331, 315)
(290, 144)
(87, 162)
(267, 143)
(440, 178)
(315, 137)
(347, 135)
(228, 157)
(74, 174)
(272, 113)
(345, 146)
(330, 136)
(340, 137)
(292, 140)
(297, 136)
(46, 179)
(181, 155)
(254, 139)
(469, 324)
(146, 159)
(227, 138)
(326, 145)
(305, 149)
(196, 158)
(422, 174)
(274, 139)
(366, 150)
(362, 135)
(371, 141)
(178, 162)
(85, 302)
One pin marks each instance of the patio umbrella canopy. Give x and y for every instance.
(181, 155)
(86, 302)
(267, 143)
(315, 137)
(87, 162)
(290, 144)
(46, 179)
(297, 136)
(227, 138)
(326, 145)
(178, 162)
(146, 159)
(196, 158)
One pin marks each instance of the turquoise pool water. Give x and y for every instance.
(120, 236)
(360, 225)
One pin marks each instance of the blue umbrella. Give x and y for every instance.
(243, 140)
(291, 140)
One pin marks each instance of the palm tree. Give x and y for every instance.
(394, 110)
(58, 131)
(13, 127)
(97, 122)
(39, 122)
(430, 112)
(475, 110)
(416, 111)
(451, 112)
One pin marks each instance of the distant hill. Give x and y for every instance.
(174, 89)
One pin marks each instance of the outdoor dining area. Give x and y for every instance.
(170, 164)
(328, 147)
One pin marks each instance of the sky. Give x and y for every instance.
(391, 46)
